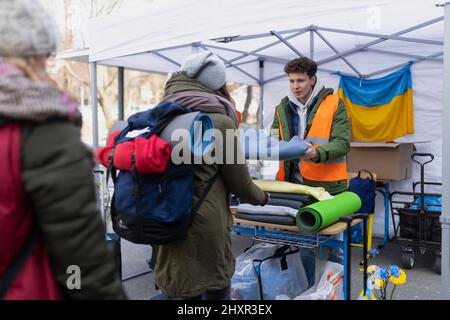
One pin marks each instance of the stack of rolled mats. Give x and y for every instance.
(311, 209)
(282, 208)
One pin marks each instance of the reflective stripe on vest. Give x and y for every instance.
(319, 134)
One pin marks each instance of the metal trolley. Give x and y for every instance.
(291, 235)
(419, 226)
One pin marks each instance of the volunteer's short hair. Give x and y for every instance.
(301, 65)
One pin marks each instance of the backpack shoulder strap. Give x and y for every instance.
(11, 273)
(205, 193)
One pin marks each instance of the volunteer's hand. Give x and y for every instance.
(267, 198)
(311, 152)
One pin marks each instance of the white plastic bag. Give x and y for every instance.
(283, 275)
(330, 286)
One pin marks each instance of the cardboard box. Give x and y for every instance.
(389, 160)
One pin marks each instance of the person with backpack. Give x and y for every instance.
(201, 264)
(52, 243)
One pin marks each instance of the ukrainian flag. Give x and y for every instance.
(380, 109)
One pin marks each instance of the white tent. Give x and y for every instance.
(257, 37)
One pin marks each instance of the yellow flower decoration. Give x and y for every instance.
(370, 269)
(378, 283)
(400, 280)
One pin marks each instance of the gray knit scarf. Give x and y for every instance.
(24, 100)
(204, 102)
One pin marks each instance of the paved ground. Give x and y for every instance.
(422, 282)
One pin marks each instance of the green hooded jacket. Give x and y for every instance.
(56, 171)
(338, 146)
(57, 176)
(203, 260)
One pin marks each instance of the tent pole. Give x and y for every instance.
(266, 46)
(261, 35)
(265, 57)
(195, 47)
(384, 36)
(311, 43)
(337, 51)
(445, 215)
(400, 65)
(97, 171)
(261, 99)
(408, 55)
(230, 65)
(121, 77)
(369, 44)
(156, 53)
(94, 101)
(290, 46)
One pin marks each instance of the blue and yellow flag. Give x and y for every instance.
(380, 109)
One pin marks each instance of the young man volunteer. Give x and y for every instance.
(314, 113)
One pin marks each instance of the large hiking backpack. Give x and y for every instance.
(153, 208)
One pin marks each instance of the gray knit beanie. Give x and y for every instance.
(26, 29)
(207, 68)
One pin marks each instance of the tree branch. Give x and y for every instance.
(72, 73)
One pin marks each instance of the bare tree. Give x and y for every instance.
(75, 75)
(247, 104)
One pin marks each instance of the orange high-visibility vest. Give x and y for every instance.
(319, 134)
(281, 175)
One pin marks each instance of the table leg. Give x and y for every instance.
(345, 247)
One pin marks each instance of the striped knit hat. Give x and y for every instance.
(26, 29)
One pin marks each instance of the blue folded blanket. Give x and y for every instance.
(197, 127)
(258, 146)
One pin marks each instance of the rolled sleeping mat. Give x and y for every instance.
(320, 215)
(288, 187)
(197, 136)
(292, 149)
(258, 146)
(292, 196)
(267, 209)
(267, 218)
(291, 203)
(285, 203)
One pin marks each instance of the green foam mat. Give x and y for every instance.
(320, 215)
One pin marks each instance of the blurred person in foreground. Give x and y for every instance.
(51, 234)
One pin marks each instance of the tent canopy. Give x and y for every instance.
(374, 37)
(364, 38)
(141, 37)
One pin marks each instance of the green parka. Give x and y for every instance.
(56, 170)
(203, 260)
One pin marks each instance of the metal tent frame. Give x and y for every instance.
(284, 37)
(445, 215)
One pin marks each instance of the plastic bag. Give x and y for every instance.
(330, 286)
(431, 203)
(282, 274)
